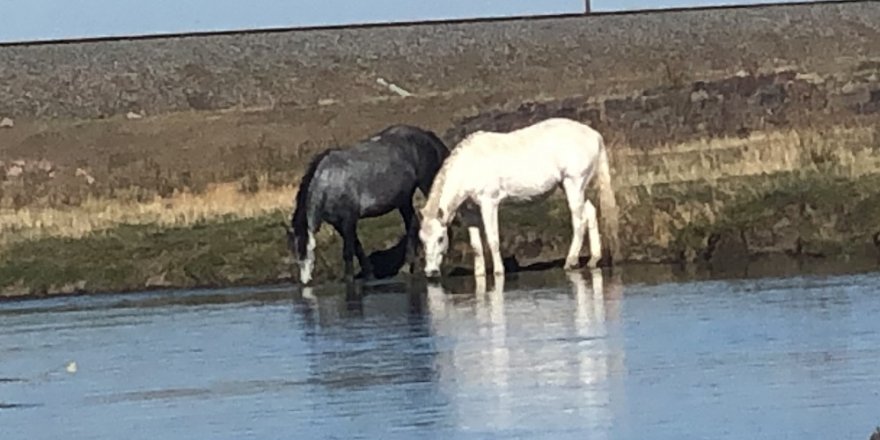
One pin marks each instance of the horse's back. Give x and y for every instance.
(363, 164)
(557, 134)
(575, 146)
(357, 182)
(379, 173)
(552, 144)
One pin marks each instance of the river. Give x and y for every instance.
(544, 355)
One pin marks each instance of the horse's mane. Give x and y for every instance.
(439, 146)
(432, 205)
(416, 135)
(299, 220)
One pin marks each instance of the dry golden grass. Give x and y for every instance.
(850, 152)
(221, 200)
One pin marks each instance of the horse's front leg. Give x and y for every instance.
(489, 212)
(477, 246)
(363, 259)
(351, 246)
(347, 251)
(471, 219)
(411, 224)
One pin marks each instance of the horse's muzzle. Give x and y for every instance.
(432, 274)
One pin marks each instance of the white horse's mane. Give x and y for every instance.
(432, 204)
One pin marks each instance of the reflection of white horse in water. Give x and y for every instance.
(487, 367)
(487, 168)
(489, 357)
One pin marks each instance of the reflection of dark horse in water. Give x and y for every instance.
(336, 320)
(370, 179)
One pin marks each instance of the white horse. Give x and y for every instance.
(487, 168)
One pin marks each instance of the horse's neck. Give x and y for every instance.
(446, 201)
(450, 204)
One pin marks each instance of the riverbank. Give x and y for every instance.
(799, 194)
(170, 162)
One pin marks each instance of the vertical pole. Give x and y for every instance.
(586, 7)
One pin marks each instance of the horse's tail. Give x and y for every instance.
(609, 216)
(306, 217)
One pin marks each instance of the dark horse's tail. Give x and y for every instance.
(305, 216)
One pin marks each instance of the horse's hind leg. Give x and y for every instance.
(574, 192)
(363, 259)
(593, 229)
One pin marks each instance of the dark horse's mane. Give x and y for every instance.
(439, 146)
(299, 220)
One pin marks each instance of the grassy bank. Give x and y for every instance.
(794, 214)
(800, 193)
(216, 252)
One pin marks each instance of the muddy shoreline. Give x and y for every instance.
(765, 265)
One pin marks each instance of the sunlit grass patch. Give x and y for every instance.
(181, 209)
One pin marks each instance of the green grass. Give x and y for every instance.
(209, 253)
(828, 215)
(125, 257)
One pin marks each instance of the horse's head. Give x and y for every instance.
(435, 240)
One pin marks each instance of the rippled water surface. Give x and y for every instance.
(541, 355)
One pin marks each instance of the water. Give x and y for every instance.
(542, 355)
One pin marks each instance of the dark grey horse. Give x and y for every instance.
(369, 179)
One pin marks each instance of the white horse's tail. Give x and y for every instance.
(608, 212)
